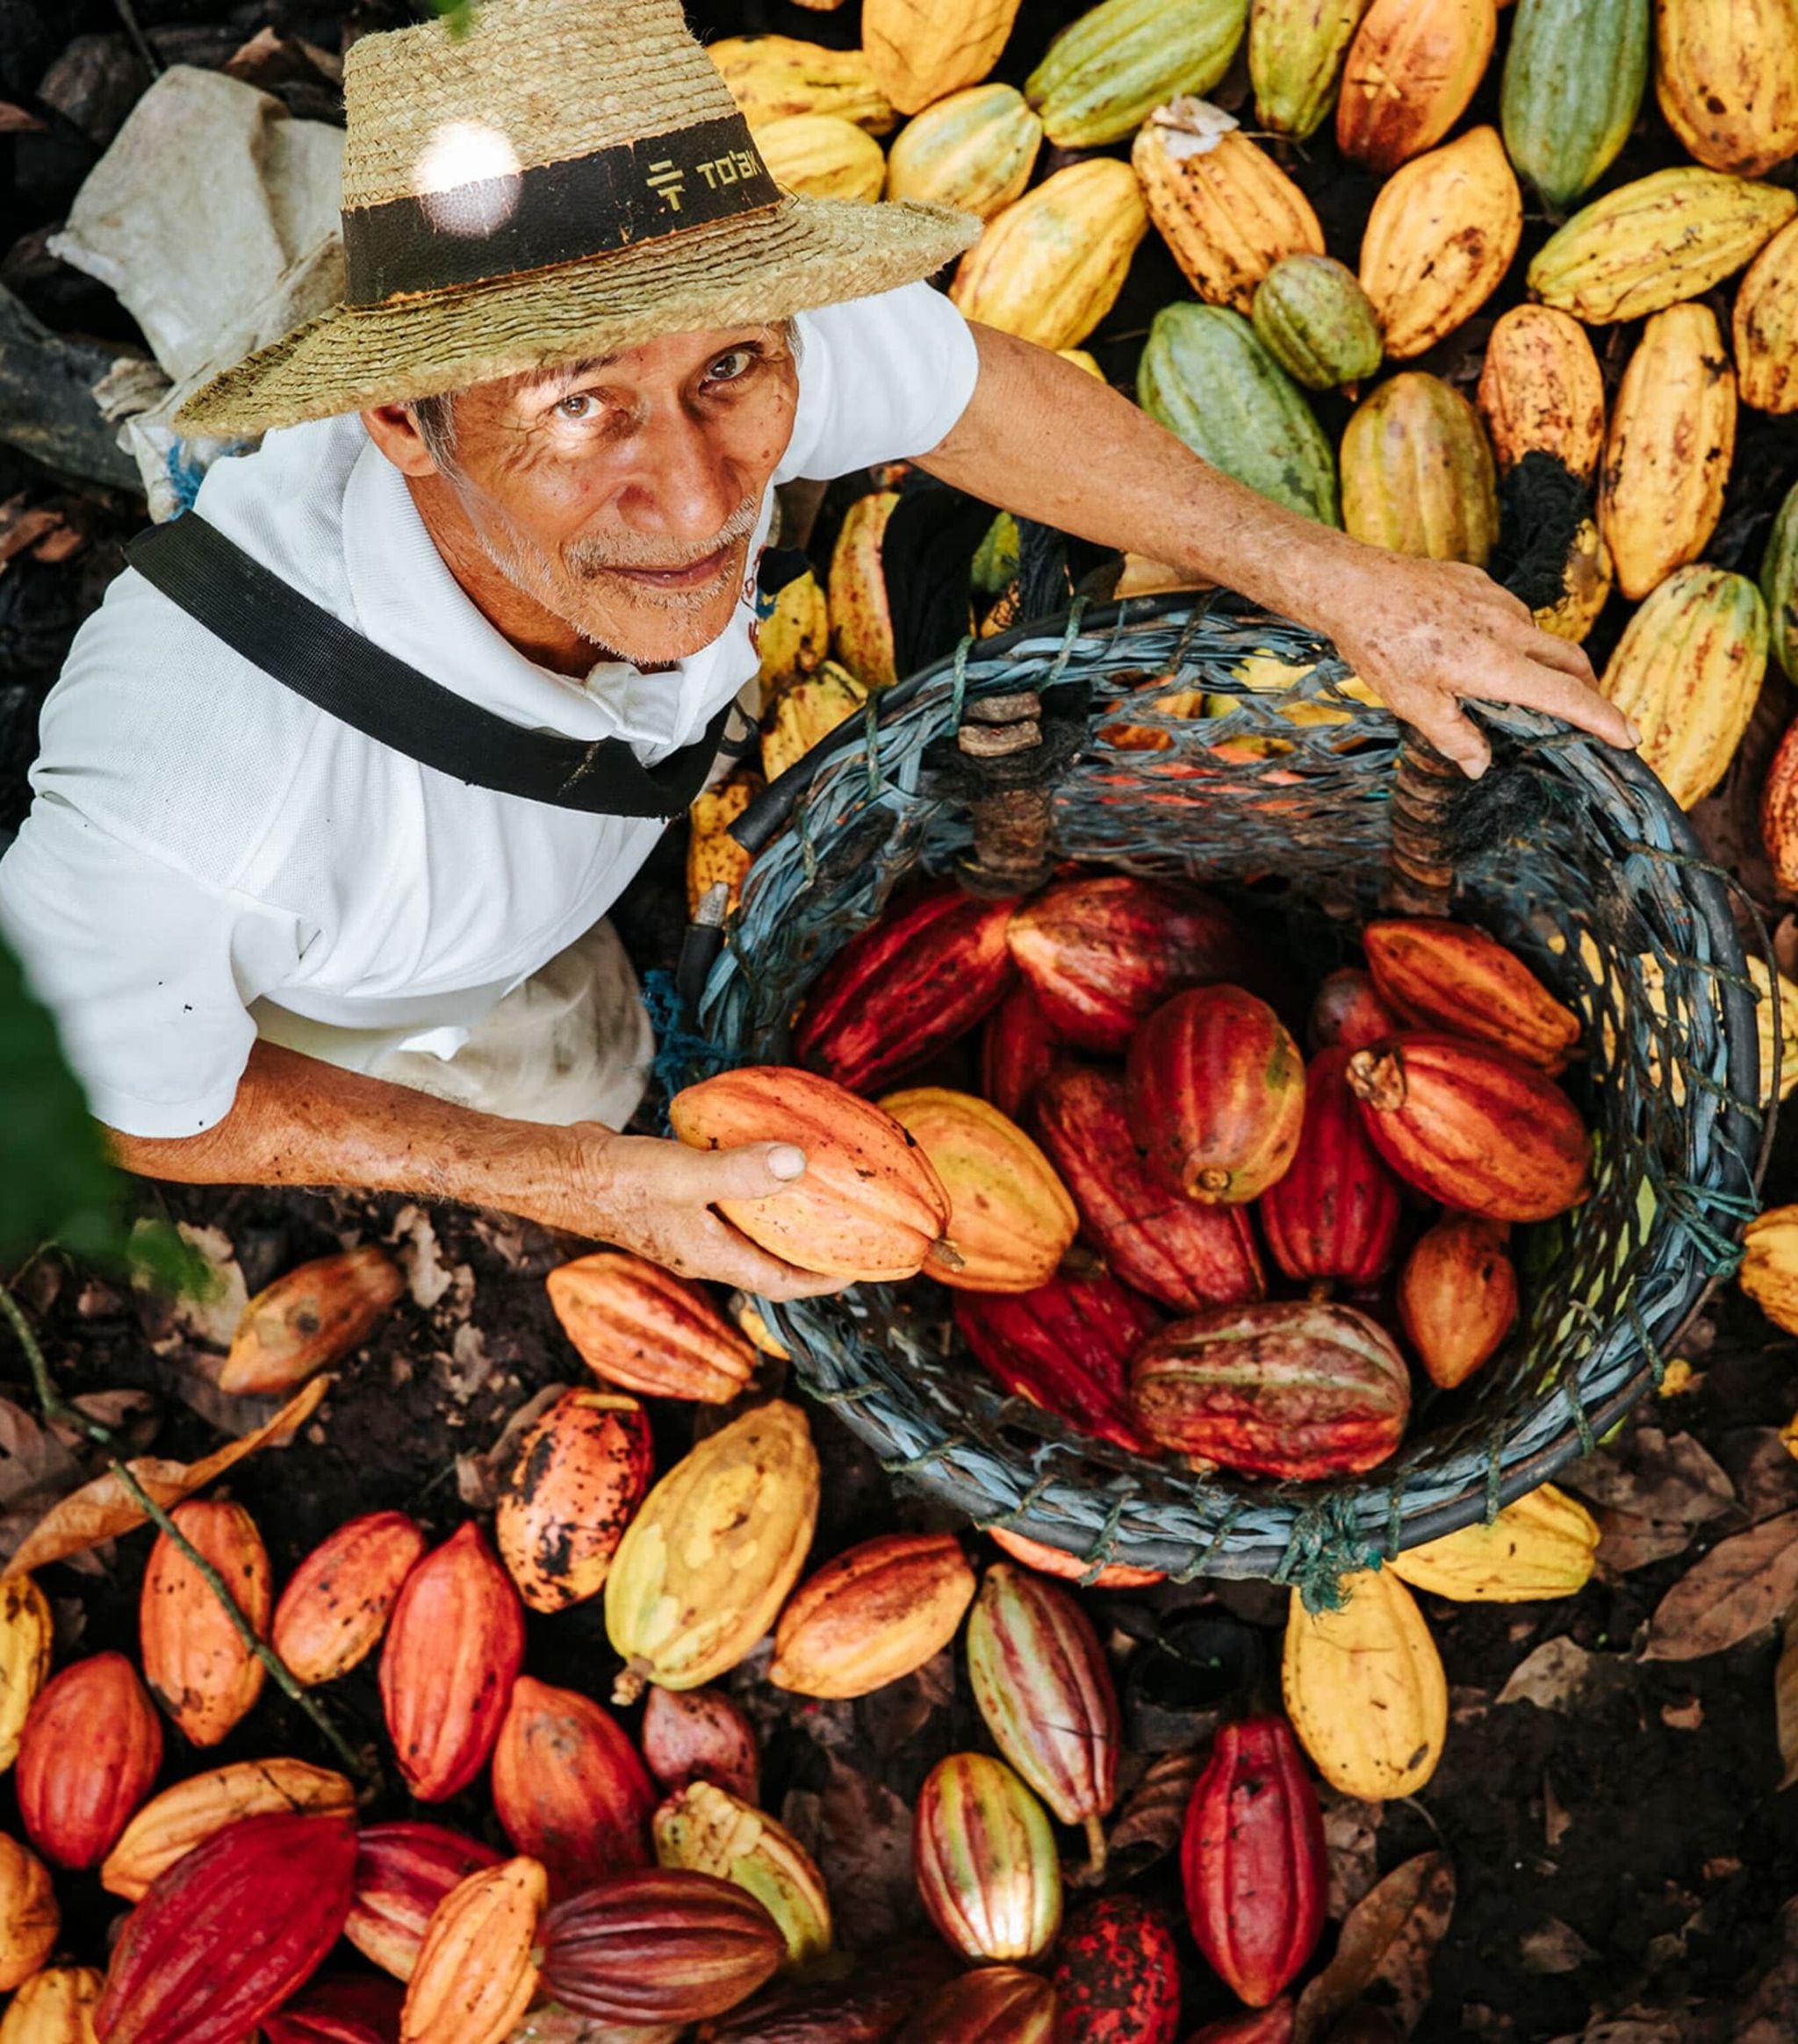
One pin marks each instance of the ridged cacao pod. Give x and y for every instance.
(1252, 1859)
(55, 2006)
(577, 1480)
(334, 1611)
(1541, 388)
(1764, 323)
(1439, 239)
(868, 1207)
(1410, 72)
(26, 1636)
(647, 1330)
(1769, 1271)
(1451, 977)
(1018, 1047)
(1292, 1388)
(1316, 322)
(1365, 1689)
(197, 1667)
(171, 1825)
(1574, 75)
(1117, 1975)
(711, 1557)
(29, 1919)
(1295, 50)
(1667, 455)
(1417, 473)
(664, 1946)
(993, 2004)
(920, 50)
(569, 1789)
(1269, 2025)
(229, 1933)
(714, 857)
(773, 76)
(1103, 951)
(1050, 266)
(1457, 1298)
(1481, 1132)
(343, 2008)
(402, 1872)
(1688, 670)
(822, 155)
(1225, 209)
(310, 1319)
(1069, 1568)
(92, 1746)
(1726, 74)
(1347, 1011)
(475, 1971)
(700, 1735)
(906, 988)
(808, 710)
(1267, 438)
(1649, 244)
(1542, 1546)
(1778, 586)
(984, 1858)
(1586, 586)
(704, 1829)
(1066, 1348)
(861, 621)
(1333, 1218)
(1100, 78)
(1044, 1686)
(1779, 833)
(1216, 1094)
(866, 2008)
(795, 634)
(974, 151)
(452, 1652)
(873, 1615)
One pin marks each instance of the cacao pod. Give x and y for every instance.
(1649, 244)
(26, 1636)
(636, 1325)
(1066, 1348)
(864, 2009)
(795, 634)
(974, 151)
(1348, 1011)
(822, 155)
(1779, 825)
(1316, 321)
(1333, 1218)
(700, 1735)
(1296, 49)
(1050, 266)
(1765, 325)
(1451, 977)
(1417, 472)
(569, 1789)
(1292, 1388)
(310, 1319)
(664, 1946)
(452, 1655)
(29, 1917)
(773, 76)
(808, 710)
(1586, 586)
(906, 988)
(873, 1615)
(476, 1972)
(861, 613)
(1540, 387)
(402, 1872)
(1018, 1047)
(91, 1748)
(714, 857)
(579, 1474)
(1410, 73)
(709, 1560)
(1100, 78)
(1269, 2025)
(1117, 1976)
(1769, 1271)
(1481, 1132)
(1439, 239)
(1727, 79)
(984, 1858)
(55, 2006)
(171, 1825)
(1543, 1545)
(921, 50)
(868, 1207)
(1069, 1568)
(1457, 1298)
(994, 2005)
(197, 1667)
(339, 2009)
(704, 1829)
(1252, 1859)
(1574, 76)
(1365, 1689)
(230, 1931)
(333, 1613)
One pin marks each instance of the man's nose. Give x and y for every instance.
(684, 485)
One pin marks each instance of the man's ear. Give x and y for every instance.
(395, 432)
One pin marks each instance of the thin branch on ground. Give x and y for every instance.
(141, 43)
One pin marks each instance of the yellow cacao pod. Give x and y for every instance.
(807, 711)
(707, 1830)
(794, 637)
(759, 1335)
(171, 1825)
(1726, 74)
(823, 155)
(713, 855)
(922, 50)
(1439, 239)
(1766, 325)
(1586, 586)
(53, 2007)
(25, 1639)
(708, 1559)
(1667, 454)
(861, 617)
(1541, 387)
(1775, 1010)
(1365, 1689)
(1769, 1272)
(477, 1969)
(1050, 267)
(1688, 669)
(1417, 473)
(773, 76)
(1296, 49)
(1541, 1546)
(1224, 208)
(1410, 72)
(872, 1615)
(29, 1917)
(974, 151)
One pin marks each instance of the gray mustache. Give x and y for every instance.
(589, 558)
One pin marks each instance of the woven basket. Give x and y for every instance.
(1568, 852)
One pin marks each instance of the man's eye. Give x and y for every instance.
(577, 405)
(728, 367)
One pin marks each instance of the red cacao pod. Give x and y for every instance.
(1447, 976)
(1483, 1132)
(1016, 1049)
(662, 1946)
(1182, 1252)
(867, 2008)
(197, 1667)
(1117, 1975)
(1335, 1217)
(230, 1932)
(568, 1786)
(348, 2008)
(647, 1330)
(1458, 1297)
(1295, 1388)
(452, 1653)
(574, 1486)
(91, 1748)
(1069, 1568)
(170, 1824)
(1066, 1347)
(1269, 2026)
(906, 988)
(477, 1969)
(402, 1872)
(700, 1735)
(1348, 1011)
(1252, 1859)
(1216, 1094)
(993, 2004)
(333, 1613)
(984, 1858)
(1103, 951)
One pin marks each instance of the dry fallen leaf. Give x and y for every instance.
(1738, 1589)
(32, 1461)
(1627, 1541)
(859, 1832)
(1390, 1938)
(1553, 1947)
(1149, 1825)
(1785, 1699)
(1668, 1478)
(1560, 1674)
(1557, 1820)
(1352, 1839)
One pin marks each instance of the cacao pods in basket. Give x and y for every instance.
(1408, 76)
(568, 1787)
(862, 632)
(1435, 974)
(55, 2006)
(1050, 266)
(647, 1330)
(1541, 390)
(171, 1825)
(700, 1735)
(402, 1872)
(704, 1829)
(1439, 239)
(1116, 1974)
(974, 151)
(873, 1615)
(1068, 1568)
(1458, 1297)
(26, 1636)
(310, 1319)
(773, 76)
(578, 1477)
(29, 1917)
(1018, 1047)
(1333, 1218)
(984, 1858)
(92, 1747)
(477, 1969)
(197, 1667)
(1348, 1011)
(340, 2008)
(1365, 1689)
(1727, 79)
(1067, 1348)
(333, 1613)
(1543, 1545)
(993, 2004)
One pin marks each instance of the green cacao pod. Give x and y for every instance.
(1205, 375)
(1101, 77)
(1316, 321)
(1779, 583)
(1296, 49)
(1574, 77)
(1417, 472)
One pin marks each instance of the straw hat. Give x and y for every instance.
(565, 178)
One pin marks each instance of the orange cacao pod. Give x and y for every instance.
(55, 2006)
(171, 1825)
(984, 1858)
(1541, 386)
(578, 1476)
(1066, 1348)
(476, 1973)
(334, 1611)
(1450, 976)
(29, 1917)
(993, 2004)
(700, 1735)
(872, 1615)
(1069, 1568)
(345, 2008)
(1016, 1049)
(1335, 1216)
(91, 1748)
(568, 1787)
(402, 1872)
(1481, 1132)
(1348, 1011)
(1410, 71)
(869, 1207)
(198, 1669)
(1457, 1298)
(310, 1319)
(649, 1330)
(452, 1653)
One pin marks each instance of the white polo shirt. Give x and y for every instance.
(206, 850)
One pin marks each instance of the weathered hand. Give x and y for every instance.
(1424, 634)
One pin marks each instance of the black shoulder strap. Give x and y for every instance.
(304, 646)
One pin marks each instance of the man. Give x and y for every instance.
(275, 894)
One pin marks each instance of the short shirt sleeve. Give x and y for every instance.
(881, 378)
